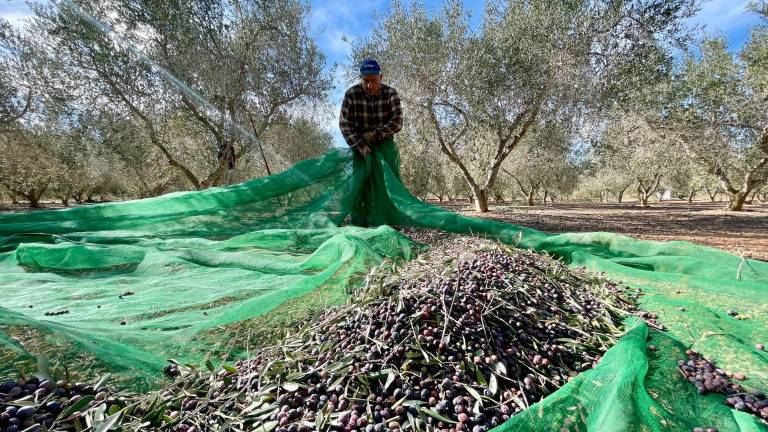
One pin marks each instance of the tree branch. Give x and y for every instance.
(448, 148)
(152, 132)
(202, 118)
(27, 105)
(507, 144)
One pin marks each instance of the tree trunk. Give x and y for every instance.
(752, 198)
(737, 197)
(711, 193)
(620, 195)
(481, 200)
(64, 200)
(691, 195)
(34, 196)
(736, 201)
(531, 194)
(644, 200)
(151, 131)
(505, 144)
(645, 192)
(546, 195)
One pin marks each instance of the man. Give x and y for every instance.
(370, 116)
(370, 112)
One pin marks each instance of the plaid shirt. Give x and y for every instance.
(361, 113)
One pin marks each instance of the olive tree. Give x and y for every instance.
(15, 94)
(641, 151)
(528, 61)
(760, 7)
(27, 168)
(725, 113)
(228, 67)
(614, 182)
(293, 141)
(543, 167)
(419, 169)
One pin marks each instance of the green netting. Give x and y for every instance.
(174, 276)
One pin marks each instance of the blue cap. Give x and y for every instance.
(370, 67)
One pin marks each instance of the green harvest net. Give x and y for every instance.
(180, 275)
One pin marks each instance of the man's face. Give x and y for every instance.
(371, 84)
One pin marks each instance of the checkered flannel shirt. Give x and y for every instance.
(361, 113)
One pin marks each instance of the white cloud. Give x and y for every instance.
(335, 43)
(15, 12)
(724, 15)
(332, 20)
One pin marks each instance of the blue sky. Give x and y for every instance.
(332, 20)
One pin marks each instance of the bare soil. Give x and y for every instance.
(742, 233)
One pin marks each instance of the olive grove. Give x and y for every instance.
(134, 98)
(142, 98)
(527, 64)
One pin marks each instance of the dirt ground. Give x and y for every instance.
(701, 222)
(705, 223)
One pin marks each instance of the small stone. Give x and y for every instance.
(652, 347)
(739, 376)
(759, 347)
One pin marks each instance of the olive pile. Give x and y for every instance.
(708, 378)
(25, 403)
(459, 351)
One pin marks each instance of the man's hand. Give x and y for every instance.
(364, 149)
(368, 137)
